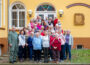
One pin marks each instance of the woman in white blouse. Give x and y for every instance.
(45, 44)
(21, 45)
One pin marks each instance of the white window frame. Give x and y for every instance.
(1, 13)
(17, 10)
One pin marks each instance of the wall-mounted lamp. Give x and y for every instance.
(61, 13)
(30, 13)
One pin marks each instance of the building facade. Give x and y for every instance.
(75, 16)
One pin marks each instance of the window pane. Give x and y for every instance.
(21, 7)
(14, 7)
(50, 8)
(18, 5)
(14, 15)
(21, 19)
(21, 15)
(40, 8)
(14, 23)
(45, 7)
(21, 23)
(51, 15)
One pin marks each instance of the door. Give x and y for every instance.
(46, 15)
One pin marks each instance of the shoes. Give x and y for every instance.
(11, 62)
(14, 61)
(21, 60)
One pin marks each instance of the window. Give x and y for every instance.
(18, 16)
(45, 8)
(79, 46)
(0, 12)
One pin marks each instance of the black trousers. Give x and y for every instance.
(37, 55)
(21, 52)
(62, 52)
(45, 54)
(26, 52)
(51, 53)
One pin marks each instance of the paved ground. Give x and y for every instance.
(5, 60)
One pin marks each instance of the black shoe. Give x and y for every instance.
(11, 62)
(14, 61)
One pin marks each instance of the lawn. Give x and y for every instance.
(80, 56)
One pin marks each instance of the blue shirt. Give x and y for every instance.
(37, 43)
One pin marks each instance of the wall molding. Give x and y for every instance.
(78, 4)
(4, 12)
(1, 14)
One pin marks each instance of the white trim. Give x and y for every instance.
(1, 14)
(4, 11)
(18, 2)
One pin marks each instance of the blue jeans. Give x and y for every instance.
(68, 50)
(30, 52)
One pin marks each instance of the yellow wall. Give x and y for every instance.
(3, 33)
(68, 18)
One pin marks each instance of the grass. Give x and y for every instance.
(80, 56)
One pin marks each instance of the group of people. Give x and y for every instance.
(40, 39)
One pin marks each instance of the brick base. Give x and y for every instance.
(4, 45)
(85, 42)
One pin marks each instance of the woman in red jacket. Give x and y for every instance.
(56, 47)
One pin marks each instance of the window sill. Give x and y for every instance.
(1, 28)
(15, 29)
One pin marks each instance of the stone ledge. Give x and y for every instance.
(1, 28)
(44, 64)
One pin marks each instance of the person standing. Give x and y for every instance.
(52, 37)
(29, 41)
(13, 45)
(45, 44)
(69, 43)
(56, 47)
(62, 53)
(21, 51)
(37, 47)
